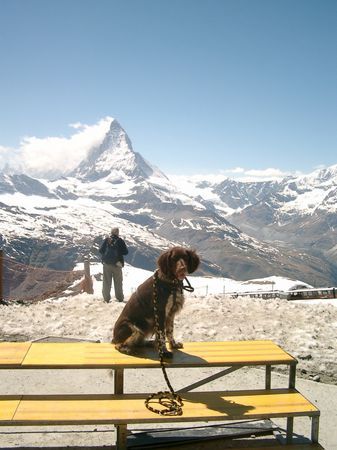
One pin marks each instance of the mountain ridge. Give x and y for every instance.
(242, 230)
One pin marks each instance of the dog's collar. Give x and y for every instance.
(173, 284)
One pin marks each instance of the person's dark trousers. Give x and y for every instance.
(115, 273)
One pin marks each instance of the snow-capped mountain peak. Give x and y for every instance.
(114, 156)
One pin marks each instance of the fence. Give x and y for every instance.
(24, 283)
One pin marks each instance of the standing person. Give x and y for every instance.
(112, 250)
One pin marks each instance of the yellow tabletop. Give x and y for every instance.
(13, 353)
(104, 355)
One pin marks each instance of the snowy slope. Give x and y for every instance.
(241, 230)
(297, 212)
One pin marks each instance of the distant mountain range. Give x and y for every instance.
(242, 230)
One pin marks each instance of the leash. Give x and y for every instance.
(188, 288)
(170, 401)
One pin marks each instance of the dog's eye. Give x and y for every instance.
(175, 258)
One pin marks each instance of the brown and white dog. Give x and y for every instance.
(137, 320)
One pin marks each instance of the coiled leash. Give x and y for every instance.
(170, 401)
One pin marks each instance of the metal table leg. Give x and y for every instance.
(268, 377)
(118, 381)
(121, 441)
(314, 429)
(290, 429)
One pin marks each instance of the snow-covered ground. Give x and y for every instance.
(202, 285)
(306, 329)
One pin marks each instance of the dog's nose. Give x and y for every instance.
(181, 265)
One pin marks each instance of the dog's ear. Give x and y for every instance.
(193, 261)
(164, 263)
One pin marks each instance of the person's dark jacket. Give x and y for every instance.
(120, 245)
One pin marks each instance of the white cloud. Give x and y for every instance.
(77, 125)
(320, 167)
(4, 152)
(9, 157)
(251, 175)
(238, 174)
(236, 170)
(263, 174)
(54, 156)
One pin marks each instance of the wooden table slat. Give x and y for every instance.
(130, 408)
(13, 353)
(8, 406)
(84, 355)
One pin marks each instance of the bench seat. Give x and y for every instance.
(130, 408)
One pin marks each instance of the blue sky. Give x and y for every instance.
(200, 86)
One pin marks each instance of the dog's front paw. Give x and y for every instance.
(149, 344)
(123, 349)
(176, 345)
(167, 354)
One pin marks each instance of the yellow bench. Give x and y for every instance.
(122, 409)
